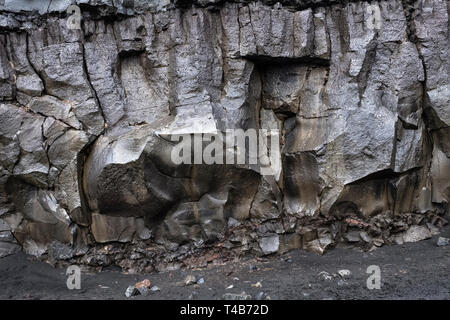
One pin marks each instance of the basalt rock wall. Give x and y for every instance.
(359, 93)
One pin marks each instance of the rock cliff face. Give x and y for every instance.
(359, 92)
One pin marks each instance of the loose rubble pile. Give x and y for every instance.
(85, 173)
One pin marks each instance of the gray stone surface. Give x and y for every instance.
(269, 244)
(86, 117)
(442, 242)
(416, 233)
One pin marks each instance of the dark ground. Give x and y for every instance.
(418, 270)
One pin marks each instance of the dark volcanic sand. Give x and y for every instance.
(412, 271)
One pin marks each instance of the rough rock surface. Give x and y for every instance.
(86, 176)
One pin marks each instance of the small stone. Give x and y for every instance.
(261, 296)
(143, 291)
(378, 242)
(190, 279)
(442, 242)
(227, 245)
(131, 291)
(155, 288)
(192, 295)
(143, 284)
(398, 239)
(270, 244)
(365, 236)
(433, 229)
(257, 285)
(128, 3)
(344, 273)
(237, 296)
(341, 283)
(352, 236)
(201, 281)
(252, 267)
(229, 287)
(136, 256)
(8, 248)
(145, 234)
